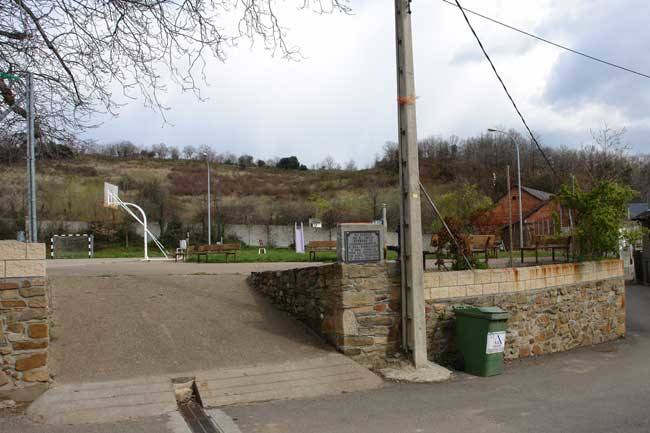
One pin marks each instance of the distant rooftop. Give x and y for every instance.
(541, 195)
(643, 216)
(635, 209)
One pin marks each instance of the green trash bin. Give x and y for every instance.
(481, 338)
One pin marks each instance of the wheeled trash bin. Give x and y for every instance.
(481, 338)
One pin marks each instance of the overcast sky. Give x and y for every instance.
(340, 100)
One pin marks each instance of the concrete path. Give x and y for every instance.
(123, 329)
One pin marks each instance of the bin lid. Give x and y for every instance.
(490, 313)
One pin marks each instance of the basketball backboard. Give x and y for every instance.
(110, 195)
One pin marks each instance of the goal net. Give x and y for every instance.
(72, 246)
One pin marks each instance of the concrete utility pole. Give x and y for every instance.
(31, 165)
(207, 162)
(510, 216)
(413, 317)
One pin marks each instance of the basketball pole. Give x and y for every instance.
(413, 311)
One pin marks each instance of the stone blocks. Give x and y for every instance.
(24, 335)
(356, 307)
(542, 321)
(442, 285)
(19, 259)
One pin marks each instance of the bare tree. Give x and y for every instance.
(351, 165)
(607, 157)
(189, 151)
(329, 164)
(79, 50)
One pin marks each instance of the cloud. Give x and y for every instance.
(615, 31)
(341, 99)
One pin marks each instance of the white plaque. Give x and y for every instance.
(496, 342)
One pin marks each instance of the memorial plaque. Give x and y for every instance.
(362, 246)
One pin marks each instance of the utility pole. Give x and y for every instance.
(413, 316)
(207, 162)
(510, 216)
(31, 165)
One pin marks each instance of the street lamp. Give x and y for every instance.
(521, 216)
(31, 153)
(207, 163)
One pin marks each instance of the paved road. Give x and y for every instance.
(601, 389)
(116, 319)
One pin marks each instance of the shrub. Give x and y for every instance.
(599, 214)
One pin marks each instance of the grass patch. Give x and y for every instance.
(250, 255)
(127, 253)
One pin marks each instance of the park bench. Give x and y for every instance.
(314, 247)
(480, 244)
(205, 250)
(432, 250)
(550, 243)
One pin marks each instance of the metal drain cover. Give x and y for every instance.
(197, 420)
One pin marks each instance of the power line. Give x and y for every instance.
(514, 104)
(555, 44)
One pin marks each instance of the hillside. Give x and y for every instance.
(463, 176)
(174, 192)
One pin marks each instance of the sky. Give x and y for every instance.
(340, 99)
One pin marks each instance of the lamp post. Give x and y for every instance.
(32, 227)
(521, 213)
(207, 163)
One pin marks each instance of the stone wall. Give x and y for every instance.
(357, 307)
(553, 307)
(354, 307)
(24, 326)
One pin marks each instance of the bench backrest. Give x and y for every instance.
(542, 241)
(480, 242)
(218, 248)
(329, 245)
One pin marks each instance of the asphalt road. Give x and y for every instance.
(604, 388)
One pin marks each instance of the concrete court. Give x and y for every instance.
(124, 328)
(117, 319)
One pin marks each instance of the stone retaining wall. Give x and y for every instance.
(357, 307)
(553, 307)
(24, 326)
(354, 307)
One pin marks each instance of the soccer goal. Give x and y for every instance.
(72, 246)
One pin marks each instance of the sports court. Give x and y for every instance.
(133, 325)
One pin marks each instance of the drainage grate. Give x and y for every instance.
(197, 420)
(192, 408)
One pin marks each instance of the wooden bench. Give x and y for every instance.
(550, 243)
(205, 250)
(432, 251)
(480, 244)
(314, 247)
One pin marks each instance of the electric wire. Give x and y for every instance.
(514, 104)
(555, 44)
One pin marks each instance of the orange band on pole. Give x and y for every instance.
(406, 100)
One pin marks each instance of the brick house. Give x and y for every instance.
(539, 211)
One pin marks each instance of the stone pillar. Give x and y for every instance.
(24, 321)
